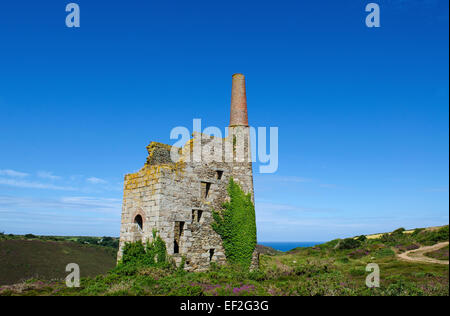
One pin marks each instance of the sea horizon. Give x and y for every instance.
(289, 245)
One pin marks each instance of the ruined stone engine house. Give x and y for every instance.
(177, 198)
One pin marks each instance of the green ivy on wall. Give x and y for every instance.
(236, 225)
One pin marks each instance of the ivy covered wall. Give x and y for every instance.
(236, 224)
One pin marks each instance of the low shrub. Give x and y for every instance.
(403, 288)
(384, 252)
(398, 231)
(189, 290)
(310, 269)
(348, 243)
(343, 260)
(407, 247)
(357, 271)
(431, 237)
(358, 253)
(329, 245)
(388, 239)
(257, 275)
(361, 238)
(417, 231)
(440, 254)
(136, 256)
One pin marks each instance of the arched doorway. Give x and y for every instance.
(138, 221)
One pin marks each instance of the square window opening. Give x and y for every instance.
(177, 233)
(206, 186)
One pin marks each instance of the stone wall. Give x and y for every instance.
(177, 199)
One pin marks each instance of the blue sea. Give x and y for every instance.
(288, 245)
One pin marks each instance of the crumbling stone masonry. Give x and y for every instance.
(176, 198)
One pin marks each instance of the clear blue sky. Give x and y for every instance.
(362, 113)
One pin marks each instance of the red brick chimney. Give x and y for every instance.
(238, 115)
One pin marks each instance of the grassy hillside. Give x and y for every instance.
(441, 254)
(266, 250)
(410, 231)
(333, 268)
(112, 242)
(22, 259)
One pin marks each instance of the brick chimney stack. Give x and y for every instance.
(238, 115)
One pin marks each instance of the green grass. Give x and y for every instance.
(21, 259)
(290, 274)
(440, 254)
(112, 242)
(328, 269)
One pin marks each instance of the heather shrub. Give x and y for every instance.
(384, 252)
(434, 236)
(348, 243)
(398, 232)
(358, 253)
(357, 271)
(361, 238)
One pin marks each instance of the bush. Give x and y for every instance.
(88, 240)
(417, 231)
(440, 254)
(358, 253)
(30, 236)
(257, 275)
(384, 252)
(343, 260)
(157, 252)
(393, 238)
(361, 238)
(136, 256)
(398, 231)
(403, 288)
(434, 236)
(109, 242)
(193, 290)
(443, 233)
(407, 247)
(331, 244)
(133, 253)
(348, 243)
(310, 270)
(357, 272)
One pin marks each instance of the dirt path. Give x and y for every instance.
(419, 254)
